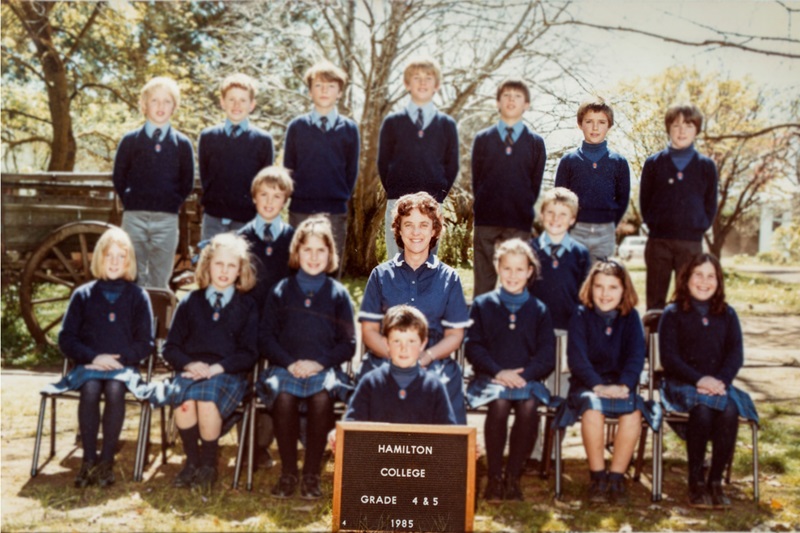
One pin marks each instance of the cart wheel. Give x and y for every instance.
(58, 266)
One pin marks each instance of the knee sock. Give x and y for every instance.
(89, 418)
(208, 452)
(189, 437)
(320, 421)
(495, 433)
(723, 440)
(523, 436)
(113, 418)
(700, 427)
(287, 429)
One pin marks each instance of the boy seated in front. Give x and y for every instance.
(507, 166)
(229, 155)
(418, 146)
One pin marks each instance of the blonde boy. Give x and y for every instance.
(230, 154)
(418, 147)
(153, 175)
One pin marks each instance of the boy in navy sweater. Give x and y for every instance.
(678, 199)
(507, 166)
(229, 155)
(322, 150)
(153, 175)
(601, 179)
(418, 147)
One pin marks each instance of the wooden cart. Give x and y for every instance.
(50, 225)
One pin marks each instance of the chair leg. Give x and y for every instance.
(237, 471)
(251, 445)
(658, 464)
(52, 427)
(547, 450)
(141, 442)
(754, 429)
(559, 466)
(38, 444)
(164, 440)
(637, 472)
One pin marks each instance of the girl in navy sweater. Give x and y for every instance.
(700, 342)
(605, 353)
(107, 332)
(307, 332)
(212, 344)
(511, 346)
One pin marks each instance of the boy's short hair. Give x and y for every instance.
(427, 205)
(514, 84)
(426, 64)
(120, 238)
(596, 104)
(238, 246)
(328, 72)
(610, 267)
(519, 247)
(275, 176)
(317, 226)
(691, 113)
(404, 318)
(159, 82)
(239, 81)
(560, 195)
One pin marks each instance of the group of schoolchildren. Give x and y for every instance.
(267, 289)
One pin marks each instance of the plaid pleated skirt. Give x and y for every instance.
(679, 397)
(482, 391)
(79, 375)
(581, 399)
(226, 391)
(276, 379)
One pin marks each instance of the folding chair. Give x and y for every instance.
(76, 395)
(651, 320)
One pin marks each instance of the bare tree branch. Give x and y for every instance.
(753, 134)
(14, 112)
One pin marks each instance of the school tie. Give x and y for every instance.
(235, 131)
(218, 301)
(156, 135)
(509, 138)
(268, 234)
(554, 248)
(420, 123)
(323, 123)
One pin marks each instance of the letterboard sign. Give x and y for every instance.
(403, 477)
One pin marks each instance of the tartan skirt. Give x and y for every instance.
(226, 391)
(79, 375)
(276, 379)
(678, 397)
(482, 391)
(581, 399)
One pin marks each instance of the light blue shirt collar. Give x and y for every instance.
(566, 243)
(428, 112)
(316, 118)
(227, 295)
(275, 226)
(243, 126)
(149, 128)
(516, 130)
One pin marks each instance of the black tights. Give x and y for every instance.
(89, 417)
(287, 430)
(523, 435)
(719, 427)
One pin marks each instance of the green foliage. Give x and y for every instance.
(455, 246)
(785, 246)
(18, 348)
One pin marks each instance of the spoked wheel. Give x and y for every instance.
(58, 266)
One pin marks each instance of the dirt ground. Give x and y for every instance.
(772, 373)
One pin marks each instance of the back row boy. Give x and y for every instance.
(507, 165)
(321, 150)
(230, 154)
(418, 147)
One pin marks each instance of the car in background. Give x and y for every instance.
(632, 247)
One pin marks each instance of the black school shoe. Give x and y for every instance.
(310, 489)
(598, 490)
(205, 478)
(513, 491)
(185, 477)
(699, 497)
(718, 498)
(495, 489)
(617, 491)
(86, 475)
(285, 487)
(104, 474)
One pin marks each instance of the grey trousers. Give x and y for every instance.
(155, 240)
(600, 239)
(214, 226)
(484, 241)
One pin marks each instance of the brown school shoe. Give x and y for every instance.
(618, 492)
(205, 478)
(598, 491)
(185, 477)
(513, 490)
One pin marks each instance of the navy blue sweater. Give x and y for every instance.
(227, 168)
(603, 192)
(146, 180)
(689, 350)
(409, 164)
(673, 208)
(195, 336)
(323, 332)
(558, 287)
(270, 269)
(506, 186)
(95, 326)
(324, 164)
(491, 346)
(377, 399)
(595, 358)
